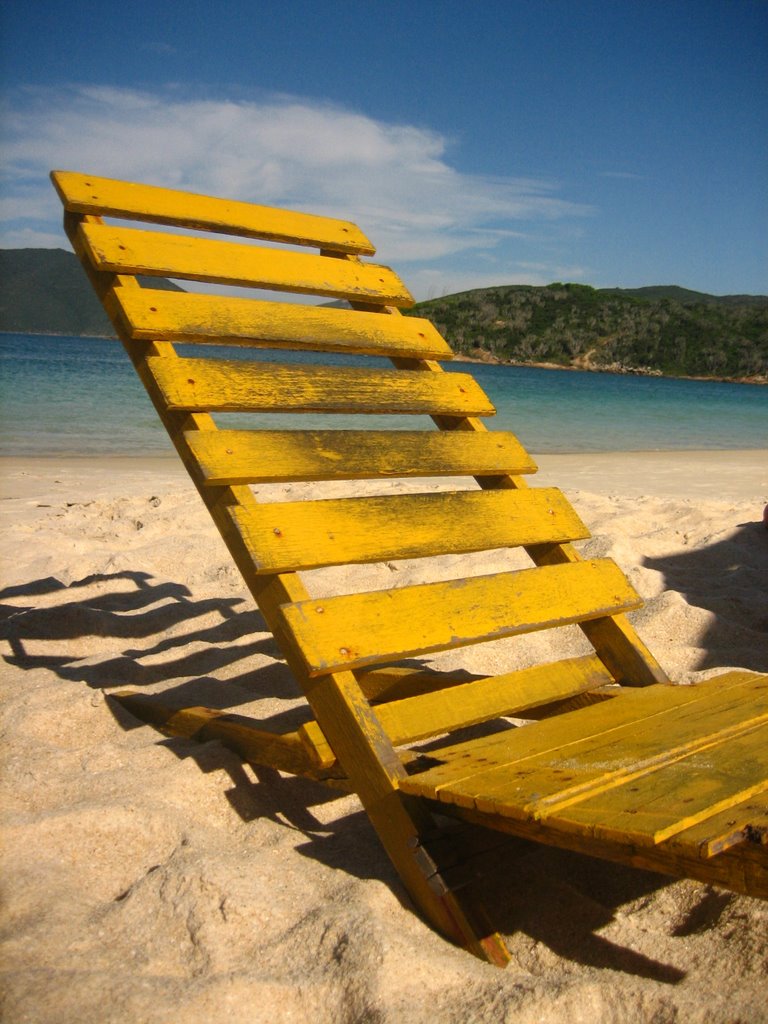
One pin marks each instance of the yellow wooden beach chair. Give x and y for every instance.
(670, 778)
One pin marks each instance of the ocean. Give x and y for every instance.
(80, 396)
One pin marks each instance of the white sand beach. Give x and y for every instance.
(157, 880)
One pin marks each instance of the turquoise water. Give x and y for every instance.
(80, 396)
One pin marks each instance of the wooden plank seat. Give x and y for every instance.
(615, 762)
(664, 774)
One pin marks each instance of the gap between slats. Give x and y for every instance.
(625, 758)
(677, 795)
(468, 767)
(744, 822)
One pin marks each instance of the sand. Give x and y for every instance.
(156, 880)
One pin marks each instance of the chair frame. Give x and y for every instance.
(363, 711)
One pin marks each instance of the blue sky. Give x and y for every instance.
(477, 143)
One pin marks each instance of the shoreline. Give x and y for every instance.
(716, 474)
(758, 380)
(489, 359)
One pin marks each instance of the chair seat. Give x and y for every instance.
(640, 769)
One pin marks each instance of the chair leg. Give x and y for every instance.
(471, 929)
(375, 770)
(402, 823)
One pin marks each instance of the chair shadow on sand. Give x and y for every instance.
(729, 579)
(546, 878)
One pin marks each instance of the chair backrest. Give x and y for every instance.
(490, 506)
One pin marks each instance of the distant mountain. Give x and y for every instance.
(662, 329)
(44, 291)
(685, 296)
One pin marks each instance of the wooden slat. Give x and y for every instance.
(467, 768)
(588, 765)
(742, 869)
(363, 629)
(429, 714)
(684, 792)
(383, 684)
(223, 385)
(149, 315)
(260, 456)
(744, 822)
(302, 753)
(83, 193)
(135, 251)
(305, 535)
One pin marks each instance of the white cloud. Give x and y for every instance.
(395, 180)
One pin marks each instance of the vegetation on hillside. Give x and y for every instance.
(663, 329)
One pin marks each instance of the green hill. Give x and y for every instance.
(661, 329)
(44, 291)
(685, 296)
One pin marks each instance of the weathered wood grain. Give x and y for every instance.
(252, 456)
(480, 700)
(380, 626)
(136, 251)
(149, 314)
(743, 822)
(466, 771)
(585, 766)
(106, 197)
(304, 535)
(686, 790)
(221, 385)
